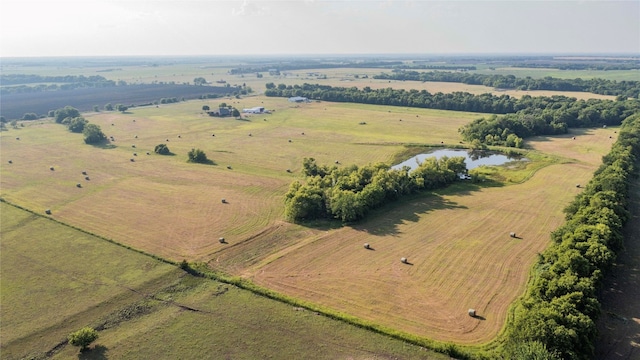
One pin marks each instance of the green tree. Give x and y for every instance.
(66, 112)
(30, 116)
(108, 107)
(83, 337)
(235, 113)
(14, 124)
(197, 156)
(162, 149)
(96, 108)
(77, 124)
(199, 81)
(205, 108)
(93, 134)
(121, 108)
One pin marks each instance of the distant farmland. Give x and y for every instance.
(13, 106)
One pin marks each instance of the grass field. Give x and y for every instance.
(618, 75)
(144, 308)
(457, 240)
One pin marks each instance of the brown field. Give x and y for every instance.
(457, 241)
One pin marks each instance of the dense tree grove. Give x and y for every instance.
(561, 306)
(526, 116)
(349, 193)
(197, 156)
(596, 85)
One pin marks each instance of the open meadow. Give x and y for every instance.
(456, 240)
(144, 308)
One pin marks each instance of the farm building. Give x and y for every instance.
(221, 112)
(254, 110)
(298, 99)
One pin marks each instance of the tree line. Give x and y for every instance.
(349, 193)
(560, 306)
(596, 85)
(50, 83)
(522, 117)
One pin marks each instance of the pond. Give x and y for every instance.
(473, 159)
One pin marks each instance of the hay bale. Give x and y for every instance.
(167, 139)
(288, 170)
(577, 185)
(472, 312)
(512, 234)
(148, 153)
(224, 201)
(179, 137)
(84, 173)
(221, 240)
(52, 168)
(10, 162)
(133, 145)
(229, 167)
(213, 134)
(86, 178)
(17, 138)
(48, 211)
(289, 140)
(404, 260)
(79, 185)
(367, 246)
(132, 160)
(250, 134)
(136, 136)
(135, 154)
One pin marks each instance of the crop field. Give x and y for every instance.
(456, 240)
(618, 75)
(144, 308)
(15, 105)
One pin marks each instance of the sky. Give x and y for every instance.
(31, 28)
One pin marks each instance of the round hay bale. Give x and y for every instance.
(134, 120)
(288, 170)
(289, 140)
(48, 211)
(404, 260)
(10, 162)
(84, 173)
(132, 160)
(179, 136)
(472, 312)
(337, 162)
(250, 134)
(17, 138)
(79, 185)
(512, 234)
(367, 246)
(213, 134)
(224, 201)
(167, 139)
(86, 178)
(52, 168)
(302, 133)
(577, 185)
(221, 240)
(229, 167)
(148, 153)
(136, 136)
(133, 145)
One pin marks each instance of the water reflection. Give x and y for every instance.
(473, 158)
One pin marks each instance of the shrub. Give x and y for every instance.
(83, 337)
(93, 134)
(198, 156)
(162, 149)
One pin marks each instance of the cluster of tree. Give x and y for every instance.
(349, 193)
(510, 129)
(560, 306)
(526, 116)
(597, 86)
(70, 117)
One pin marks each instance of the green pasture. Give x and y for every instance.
(139, 304)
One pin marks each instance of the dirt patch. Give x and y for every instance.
(619, 323)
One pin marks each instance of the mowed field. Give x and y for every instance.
(56, 279)
(457, 240)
